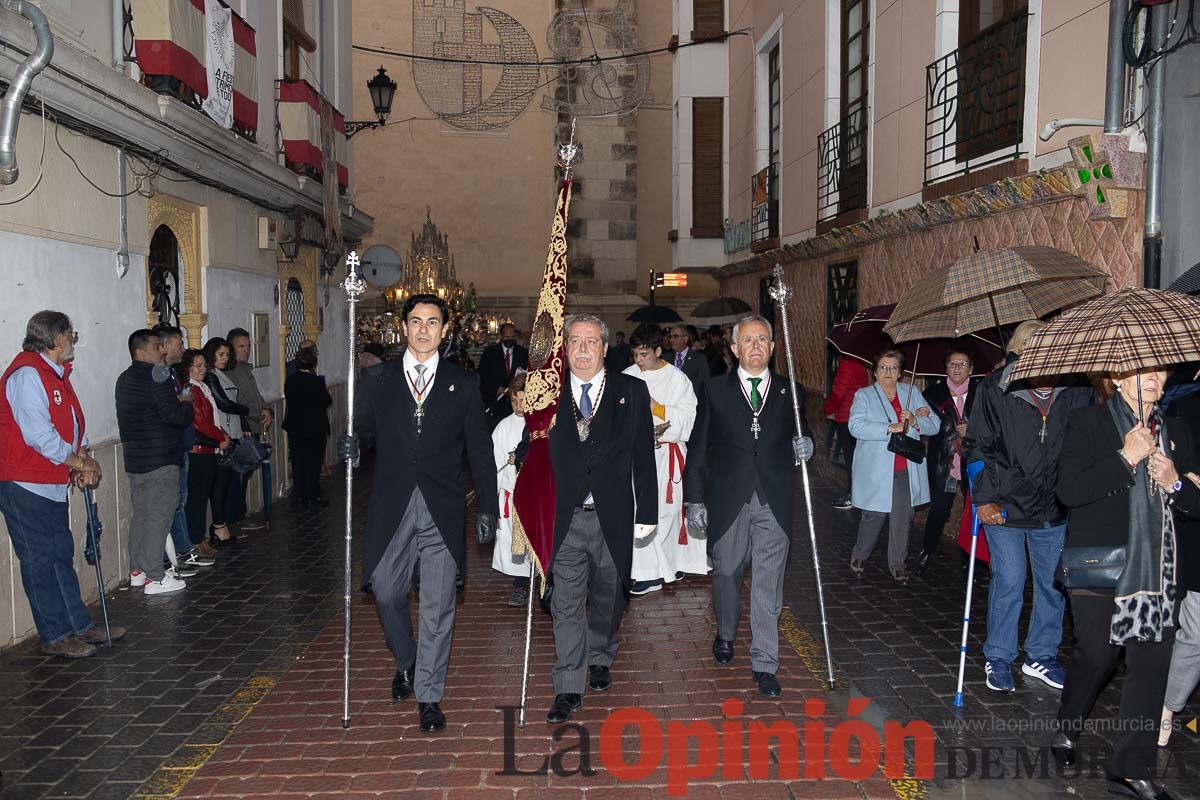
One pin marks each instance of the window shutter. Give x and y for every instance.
(708, 18)
(708, 153)
(293, 24)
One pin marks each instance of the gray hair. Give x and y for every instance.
(575, 319)
(43, 328)
(754, 318)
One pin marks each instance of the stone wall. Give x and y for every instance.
(889, 264)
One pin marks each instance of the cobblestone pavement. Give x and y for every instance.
(233, 688)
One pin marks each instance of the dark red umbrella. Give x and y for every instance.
(862, 337)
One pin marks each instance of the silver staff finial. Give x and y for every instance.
(569, 153)
(354, 283)
(779, 292)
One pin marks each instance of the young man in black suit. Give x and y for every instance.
(422, 412)
(737, 487)
(606, 495)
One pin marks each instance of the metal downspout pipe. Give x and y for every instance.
(10, 109)
(1155, 90)
(1114, 74)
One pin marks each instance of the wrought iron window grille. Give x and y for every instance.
(842, 166)
(975, 101)
(764, 194)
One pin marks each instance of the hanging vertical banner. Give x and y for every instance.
(219, 57)
(329, 173)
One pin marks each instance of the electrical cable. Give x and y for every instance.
(1142, 55)
(573, 62)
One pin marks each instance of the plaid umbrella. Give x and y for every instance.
(1127, 330)
(993, 288)
(862, 337)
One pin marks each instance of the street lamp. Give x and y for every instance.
(383, 90)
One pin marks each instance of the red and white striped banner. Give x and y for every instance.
(300, 128)
(169, 40)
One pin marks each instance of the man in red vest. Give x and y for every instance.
(41, 439)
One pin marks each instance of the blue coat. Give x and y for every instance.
(870, 415)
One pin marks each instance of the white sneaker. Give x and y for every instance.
(1164, 730)
(137, 578)
(167, 585)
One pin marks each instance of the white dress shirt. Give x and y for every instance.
(414, 379)
(595, 390)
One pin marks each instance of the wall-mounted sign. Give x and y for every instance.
(671, 279)
(737, 235)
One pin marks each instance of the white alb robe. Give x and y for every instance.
(663, 556)
(505, 439)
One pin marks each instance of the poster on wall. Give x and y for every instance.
(262, 339)
(218, 42)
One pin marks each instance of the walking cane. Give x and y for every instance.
(94, 529)
(973, 469)
(782, 294)
(354, 286)
(528, 639)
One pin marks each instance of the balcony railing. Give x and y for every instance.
(166, 39)
(764, 214)
(842, 166)
(975, 101)
(301, 140)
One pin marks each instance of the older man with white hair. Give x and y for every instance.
(606, 485)
(738, 489)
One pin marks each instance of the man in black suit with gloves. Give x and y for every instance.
(737, 488)
(422, 412)
(606, 495)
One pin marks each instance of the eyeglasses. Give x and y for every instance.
(959, 364)
(73, 337)
(887, 369)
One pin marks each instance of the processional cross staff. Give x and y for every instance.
(781, 294)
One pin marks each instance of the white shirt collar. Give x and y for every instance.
(745, 376)
(410, 361)
(594, 382)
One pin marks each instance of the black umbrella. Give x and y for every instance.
(1188, 282)
(656, 314)
(721, 307)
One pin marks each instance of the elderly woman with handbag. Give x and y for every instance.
(887, 420)
(1118, 476)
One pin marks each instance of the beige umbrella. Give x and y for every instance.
(992, 288)
(1120, 332)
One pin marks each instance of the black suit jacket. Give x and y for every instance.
(695, 366)
(726, 463)
(616, 464)
(941, 445)
(493, 376)
(307, 399)
(432, 461)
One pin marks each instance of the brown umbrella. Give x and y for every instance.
(1127, 330)
(993, 288)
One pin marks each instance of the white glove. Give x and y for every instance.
(643, 531)
(802, 449)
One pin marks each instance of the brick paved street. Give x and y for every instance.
(234, 689)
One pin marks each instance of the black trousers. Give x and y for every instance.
(940, 504)
(846, 442)
(1093, 663)
(207, 485)
(308, 454)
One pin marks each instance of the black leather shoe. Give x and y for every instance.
(402, 685)
(564, 706)
(599, 678)
(768, 684)
(1063, 750)
(432, 718)
(722, 650)
(1140, 788)
(923, 561)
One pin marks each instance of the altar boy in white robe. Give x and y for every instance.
(505, 439)
(670, 553)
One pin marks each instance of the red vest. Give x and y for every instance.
(19, 461)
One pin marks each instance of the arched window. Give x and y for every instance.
(163, 276)
(295, 319)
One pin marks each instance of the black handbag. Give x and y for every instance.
(1091, 567)
(901, 443)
